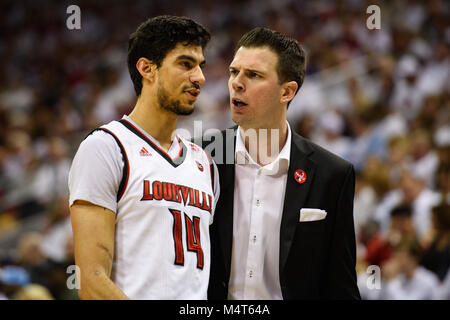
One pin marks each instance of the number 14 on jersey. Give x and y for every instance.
(193, 243)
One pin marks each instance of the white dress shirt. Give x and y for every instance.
(258, 206)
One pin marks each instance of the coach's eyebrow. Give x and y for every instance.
(192, 59)
(231, 68)
(256, 71)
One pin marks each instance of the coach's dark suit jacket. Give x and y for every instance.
(317, 259)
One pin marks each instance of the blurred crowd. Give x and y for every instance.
(378, 98)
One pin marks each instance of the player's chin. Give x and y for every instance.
(185, 110)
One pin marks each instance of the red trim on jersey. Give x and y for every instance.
(155, 145)
(119, 196)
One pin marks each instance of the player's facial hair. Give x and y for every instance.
(169, 104)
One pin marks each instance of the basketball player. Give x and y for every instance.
(142, 200)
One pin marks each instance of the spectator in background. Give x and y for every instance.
(114, 96)
(403, 277)
(436, 257)
(443, 180)
(407, 97)
(429, 117)
(413, 191)
(30, 256)
(331, 127)
(364, 203)
(398, 152)
(423, 159)
(442, 142)
(12, 278)
(50, 181)
(57, 246)
(402, 225)
(442, 292)
(33, 292)
(58, 232)
(367, 141)
(19, 167)
(43, 268)
(421, 198)
(372, 186)
(436, 73)
(376, 249)
(379, 246)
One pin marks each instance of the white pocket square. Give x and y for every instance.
(308, 214)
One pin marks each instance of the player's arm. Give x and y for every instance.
(93, 231)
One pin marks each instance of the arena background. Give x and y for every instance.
(378, 98)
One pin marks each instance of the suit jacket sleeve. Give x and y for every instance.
(341, 274)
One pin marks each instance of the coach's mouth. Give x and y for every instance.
(238, 103)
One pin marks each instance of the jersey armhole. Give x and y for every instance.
(126, 165)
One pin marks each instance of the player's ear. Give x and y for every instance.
(146, 68)
(288, 90)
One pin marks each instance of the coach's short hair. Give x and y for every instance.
(154, 38)
(291, 56)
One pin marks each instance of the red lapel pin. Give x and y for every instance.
(300, 176)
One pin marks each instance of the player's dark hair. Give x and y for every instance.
(291, 56)
(154, 38)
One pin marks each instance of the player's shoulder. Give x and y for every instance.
(99, 137)
(99, 141)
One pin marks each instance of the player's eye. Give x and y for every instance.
(233, 72)
(186, 64)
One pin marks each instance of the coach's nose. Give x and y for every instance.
(237, 84)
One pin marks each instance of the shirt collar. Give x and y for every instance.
(281, 163)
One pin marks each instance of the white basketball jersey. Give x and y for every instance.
(165, 206)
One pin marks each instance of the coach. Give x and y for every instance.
(283, 227)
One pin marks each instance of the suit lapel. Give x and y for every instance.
(225, 225)
(295, 195)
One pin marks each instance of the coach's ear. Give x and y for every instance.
(146, 68)
(288, 90)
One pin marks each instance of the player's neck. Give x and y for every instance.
(160, 124)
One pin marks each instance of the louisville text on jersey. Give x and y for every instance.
(177, 193)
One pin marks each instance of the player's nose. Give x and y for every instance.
(198, 77)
